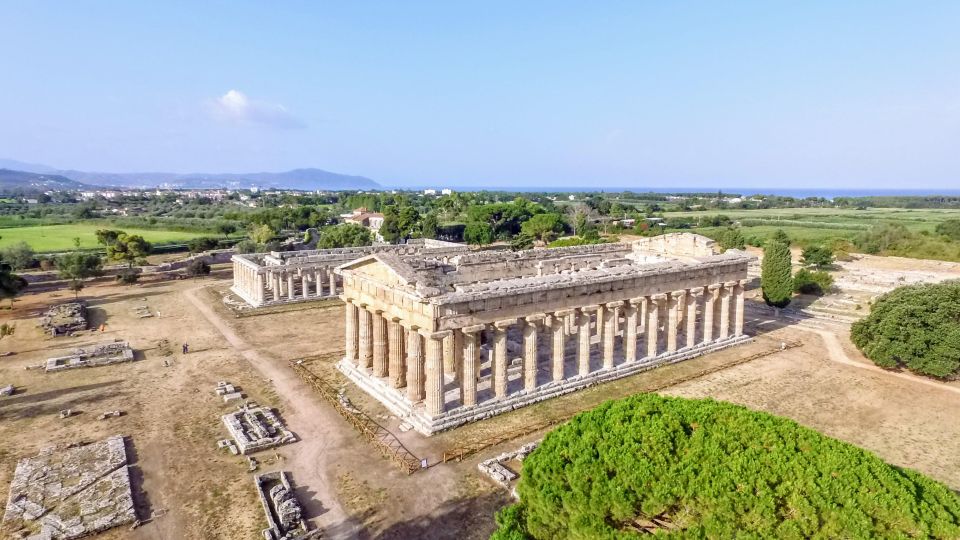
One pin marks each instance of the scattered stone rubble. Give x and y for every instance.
(142, 312)
(283, 510)
(72, 492)
(498, 472)
(101, 354)
(256, 428)
(64, 319)
(110, 414)
(8, 390)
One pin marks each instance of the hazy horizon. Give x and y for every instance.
(504, 96)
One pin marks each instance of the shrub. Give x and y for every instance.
(819, 257)
(19, 256)
(344, 235)
(917, 327)
(128, 276)
(198, 267)
(245, 246)
(817, 282)
(198, 245)
(715, 470)
(775, 280)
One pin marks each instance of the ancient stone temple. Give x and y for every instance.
(283, 277)
(442, 341)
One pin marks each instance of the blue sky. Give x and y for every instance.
(495, 94)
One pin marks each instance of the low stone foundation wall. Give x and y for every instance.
(427, 425)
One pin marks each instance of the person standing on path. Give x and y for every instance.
(186, 348)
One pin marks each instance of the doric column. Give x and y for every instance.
(709, 301)
(725, 309)
(530, 330)
(673, 314)
(691, 332)
(631, 310)
(275, 280)
(583, 339)
(259, 286)
(500, 357)
(365, 340)
(415, 365)
(396, 352)
(317, 283)
(449, 357)
(653, 323)
(290, 289)
(304, 285)
(436, 401)
(333, 281)
(379, 345)
(610, 316)
(644, 304)
(471, 364)
(351, 330)
(558, 345)
(738, 314)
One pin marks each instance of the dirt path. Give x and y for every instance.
(313, 423)
(839, 356)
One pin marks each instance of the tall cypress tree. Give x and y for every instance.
(775, 278)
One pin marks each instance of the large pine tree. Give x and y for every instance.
(775, 277)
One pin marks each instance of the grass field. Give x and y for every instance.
(45, 238)
(810, 225)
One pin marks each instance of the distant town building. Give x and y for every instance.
(446, 191)
(429, 192)
(370, 220)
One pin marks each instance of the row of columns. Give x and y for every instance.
(262, 285)
(418, 360)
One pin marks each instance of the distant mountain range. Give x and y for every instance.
(27, 182)
(302, 179)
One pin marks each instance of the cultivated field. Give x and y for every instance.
(807, 226)
(44, 238)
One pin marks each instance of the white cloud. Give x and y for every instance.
(236, 107)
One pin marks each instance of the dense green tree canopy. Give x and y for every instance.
(775, 274)
(917, 327)
(950, 228)
(544, 227)
(715, 470)
(478, 233)
(344, 235)
(128, 248)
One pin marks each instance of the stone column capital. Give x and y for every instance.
(395, 320)
(504, 324)
(638, 301)
(729, 284)
(743, 282)
(658, 297)
(563, 312)
(593, 307)
(442, 334)
(536, 318)
(695, 291)
(473, 328)
(615, 304)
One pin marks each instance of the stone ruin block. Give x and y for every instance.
(8, 390)
(101, 354)
(72, 492)
(283, 510)
(256, 428)
(64, 319)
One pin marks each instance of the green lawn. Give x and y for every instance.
(44, 238)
